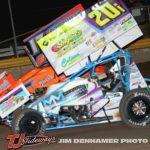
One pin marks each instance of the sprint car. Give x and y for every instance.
(35, 80)
(87, 98)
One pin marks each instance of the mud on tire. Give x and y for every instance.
(135, 108)
(28, 121)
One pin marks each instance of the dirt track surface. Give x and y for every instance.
(117, 131)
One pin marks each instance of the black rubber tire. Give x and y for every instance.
(30, 122)
(129, 101)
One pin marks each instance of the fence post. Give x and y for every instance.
(148, 7)
(13, 28)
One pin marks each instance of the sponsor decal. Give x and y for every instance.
(104, 14)
(42, 82)
(74, 37)
(13, 100)
(40, 59)
(70, 60)
(138, 124)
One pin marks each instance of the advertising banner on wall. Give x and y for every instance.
(13, 100)
(86, 33)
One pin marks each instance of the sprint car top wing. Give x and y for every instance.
(84, 33)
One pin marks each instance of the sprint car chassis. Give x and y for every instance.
(120, 94)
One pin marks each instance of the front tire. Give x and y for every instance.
(135, 108)
(30, 122)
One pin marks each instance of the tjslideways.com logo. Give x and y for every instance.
(18, 140)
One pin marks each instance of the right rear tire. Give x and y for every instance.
(135, 108)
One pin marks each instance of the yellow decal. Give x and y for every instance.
(106, 13)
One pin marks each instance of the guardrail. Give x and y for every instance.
(15, 62)
(142, 43)
(9, 52)
(23, 61)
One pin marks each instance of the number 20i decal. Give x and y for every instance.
(104, 14)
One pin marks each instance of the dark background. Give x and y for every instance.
(32, 14)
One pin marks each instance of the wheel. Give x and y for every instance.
(135, 108)
(28, 121)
